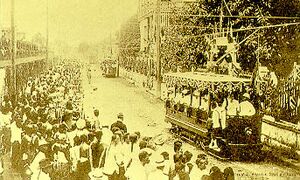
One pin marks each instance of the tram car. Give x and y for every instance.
(109, 68)
(189, 111)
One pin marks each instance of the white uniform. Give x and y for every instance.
(232, 108)
(136, 172)
(246, 109)
(216, 115)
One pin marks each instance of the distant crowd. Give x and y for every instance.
(23, 49)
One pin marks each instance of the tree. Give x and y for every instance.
(184, 43)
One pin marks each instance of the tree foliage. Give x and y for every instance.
(184, 42)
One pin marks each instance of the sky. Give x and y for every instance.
(72, 21)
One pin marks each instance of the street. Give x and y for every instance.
(144, 113)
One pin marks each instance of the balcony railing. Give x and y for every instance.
(23, 50)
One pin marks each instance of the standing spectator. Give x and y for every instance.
(96, 150)
(16, 140)
(216, 125)
(111, 167)
(45, 169)
(228, 174)
(75, 155)
(1, 167)
(200, 169)
(215, 173)
(84, 166)
(178, 156)
(89, 75)
(119, 124)
(105, 142)
(159, 168)
(95, 123)
(138, 170)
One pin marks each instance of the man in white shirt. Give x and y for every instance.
(246, 107)
(34, 166)
(216, 124)
(195, 102)
(138, 170)
(204, 103)
(199, 169)
(45, 168)
(158, 172)
(16, 139)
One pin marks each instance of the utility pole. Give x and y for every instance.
(157, 50)
(13, 53)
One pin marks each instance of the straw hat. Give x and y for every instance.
(246, 95)
(81, 123)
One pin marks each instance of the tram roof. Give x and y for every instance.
(194, 78)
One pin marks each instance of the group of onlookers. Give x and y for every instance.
(23, 48)
(48, 137)
(34, 129)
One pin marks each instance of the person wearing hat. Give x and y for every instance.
(159, 165)
(35, 163)
(95, 123)
(119, 124)
(138, 170)
(215, 173)
(114, 158)
(246, 107)
(178, 151)
(199, 169)
(45, 169)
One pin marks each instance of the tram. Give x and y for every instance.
(192, 95)
(189, 109)
(109, 68)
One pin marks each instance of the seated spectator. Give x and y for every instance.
(246, 107)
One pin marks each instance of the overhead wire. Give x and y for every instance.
(239, 30)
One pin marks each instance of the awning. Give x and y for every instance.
(204, 80)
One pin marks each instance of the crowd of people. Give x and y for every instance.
(23, 48)
(48, 136)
